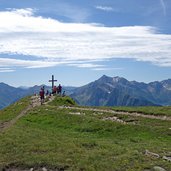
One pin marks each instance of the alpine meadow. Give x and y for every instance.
(60, 135)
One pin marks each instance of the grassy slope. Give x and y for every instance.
(54, 138)
(13, 110)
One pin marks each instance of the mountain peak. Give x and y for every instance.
(112, 80)
(119, 79)
(3, 85)
(166, 84)
(104, 78)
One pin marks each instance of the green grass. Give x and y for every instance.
(59, 101)
(56, 139)
(13, 110)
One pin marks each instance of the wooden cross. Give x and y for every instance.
(52, 80)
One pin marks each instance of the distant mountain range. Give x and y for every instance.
(106, 91)
(9, 94)
(117, 91)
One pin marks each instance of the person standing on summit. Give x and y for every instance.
(59, 89)
(42, 95)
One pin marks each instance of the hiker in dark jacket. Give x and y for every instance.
(42, 95)
(59, 89)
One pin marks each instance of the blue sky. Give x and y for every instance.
(78, 41)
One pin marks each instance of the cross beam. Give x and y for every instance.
(52, 80)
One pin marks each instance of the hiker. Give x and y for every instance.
(42, 95)
(54, 90)
(59, 89)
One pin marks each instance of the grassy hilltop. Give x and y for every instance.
(56, 137)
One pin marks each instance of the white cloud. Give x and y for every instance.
(52, 43)
(106, 69)
(8, 62)
(104, 8)
(6, 70)
(85, 65)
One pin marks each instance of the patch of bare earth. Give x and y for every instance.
(134, 114)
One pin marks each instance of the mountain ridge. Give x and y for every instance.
(105, 91)
(9, 94)
(118, 91)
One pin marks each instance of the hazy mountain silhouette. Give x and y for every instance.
(106, 91)
(117, 91)
(9, 94)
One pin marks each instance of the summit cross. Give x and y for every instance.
(52, 80)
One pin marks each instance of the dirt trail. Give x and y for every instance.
(121, 113)
(35, 101)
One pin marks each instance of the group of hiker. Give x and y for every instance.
(56, 90)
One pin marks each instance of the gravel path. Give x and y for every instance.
(121, 113)
(34, 102)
